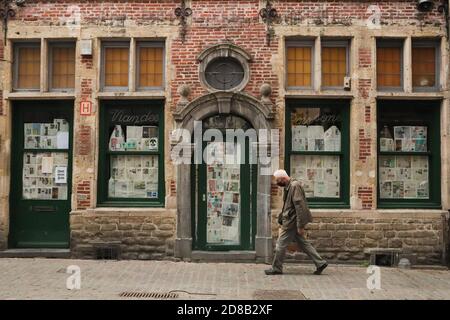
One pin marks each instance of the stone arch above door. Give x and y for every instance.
(260, 115)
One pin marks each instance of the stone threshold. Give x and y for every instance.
(223, 256)
(36, 253)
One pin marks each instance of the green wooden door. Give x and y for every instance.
(224, 205)
(41, 162)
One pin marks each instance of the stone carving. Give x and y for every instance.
(266, 91)
(184, 91)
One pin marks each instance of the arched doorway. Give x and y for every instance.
(259, 116)
(224, 210)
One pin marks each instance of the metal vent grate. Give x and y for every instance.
(149, 295)
(111, 252)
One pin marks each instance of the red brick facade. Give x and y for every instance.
(236, 22)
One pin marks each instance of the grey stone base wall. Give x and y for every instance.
(350, 238)
(3, 238)
(140, 235)
(338, 237)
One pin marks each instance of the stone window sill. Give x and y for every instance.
(156, 94)
(31, 95)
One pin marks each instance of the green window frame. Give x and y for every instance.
(155, 107)
(342, 107)
(412, 113)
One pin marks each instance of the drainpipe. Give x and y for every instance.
(444, 9)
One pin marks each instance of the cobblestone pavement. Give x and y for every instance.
(46, 279)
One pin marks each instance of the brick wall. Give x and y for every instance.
(211, 24)
(86, 89)
(364, 145)
(339, 238)
(83, 194)
(365, 58)
(366, 196)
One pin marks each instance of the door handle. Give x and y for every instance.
(204, 197)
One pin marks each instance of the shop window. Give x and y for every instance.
(408, 154)
(150, 65)
(115, 65)
(389, 65)
(62, 66)
(131, 154)
(425, 57)
(334, 63)
(27, 65)
(317, 150)
(300, 64)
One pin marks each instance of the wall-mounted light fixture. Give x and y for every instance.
(425, 5)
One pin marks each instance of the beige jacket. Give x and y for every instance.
(295, 213)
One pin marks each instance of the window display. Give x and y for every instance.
(408, 154)
(135, 138)
(132, 153)
(317, 150)
(133, 177)
(405, 138)
(403, 177)
(45, 176)
(223, 197)
(319, 175)
(53, 135)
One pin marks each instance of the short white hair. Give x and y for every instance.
(280, 173)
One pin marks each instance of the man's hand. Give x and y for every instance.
(301, 231)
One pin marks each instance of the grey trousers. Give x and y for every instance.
(284, 239)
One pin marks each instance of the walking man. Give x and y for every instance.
(293, 218)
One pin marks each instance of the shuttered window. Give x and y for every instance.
(150, 66)
(425, 65)
(299, 65)
(63, 66)
(116, 65)
(389, 65)
(334, 64)
(27, 66)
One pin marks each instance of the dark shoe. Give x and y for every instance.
(321, 268)
(271, 272)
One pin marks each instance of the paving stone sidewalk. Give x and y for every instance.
(46, 279)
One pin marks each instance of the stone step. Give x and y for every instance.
(35, 253)
(224, 256)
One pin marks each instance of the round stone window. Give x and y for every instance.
(224, 73)
(224, 67)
